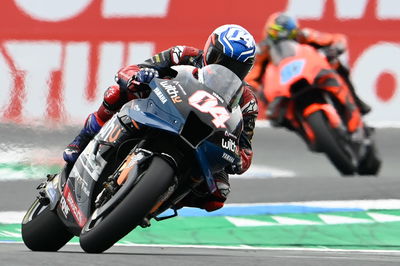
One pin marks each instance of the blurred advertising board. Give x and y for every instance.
(57, 57)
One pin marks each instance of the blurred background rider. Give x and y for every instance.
(280, 26)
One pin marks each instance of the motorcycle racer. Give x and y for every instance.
(229, 45)
(282, 26)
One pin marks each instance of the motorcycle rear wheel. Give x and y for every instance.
(371, 163)
(131, 211)
(42, 229)
(331, 144)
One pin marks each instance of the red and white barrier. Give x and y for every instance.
(57, 57)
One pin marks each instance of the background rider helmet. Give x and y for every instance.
(281, 26)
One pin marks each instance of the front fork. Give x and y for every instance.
(118, 185)
(334, 119)
(353, 132)
(50, 191)
(125, 178)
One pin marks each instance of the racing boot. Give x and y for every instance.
(90, 129)
(200, 197)
(217, 199)
(362, 106)
(370, 162)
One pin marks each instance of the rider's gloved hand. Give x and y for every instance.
(242, 165)
(234, 168)
(126, 77)
(333, 51)
(146, 75)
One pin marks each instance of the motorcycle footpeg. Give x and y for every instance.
(369, 131)
(51, 177)
(158, 218)
(41, 185)
(145, 223)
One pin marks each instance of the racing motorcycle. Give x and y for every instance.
(189, 130)
(305, 95)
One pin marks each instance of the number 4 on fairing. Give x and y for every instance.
(207, 103)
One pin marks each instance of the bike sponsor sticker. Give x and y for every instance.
(228, 158)
(291, 70)
(51, 189)
(64, 207)
(228, 134)
(172, 91)
(81, 183)
(160, 95)
(180, 87)
(208, 103)
(218, 97)
(229, 145)
(73, 207)
(111, 130)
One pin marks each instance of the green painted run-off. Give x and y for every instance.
(219, 231)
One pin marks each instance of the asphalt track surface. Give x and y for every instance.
(315, 179)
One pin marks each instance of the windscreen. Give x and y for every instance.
(282, 49)
(223, 81)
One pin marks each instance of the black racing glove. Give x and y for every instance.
(234, 168)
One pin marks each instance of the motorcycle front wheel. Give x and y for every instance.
(131, 211)
(329, 142)
(42, 229)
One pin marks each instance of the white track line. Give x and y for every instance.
(245, 247)
(376, 124)
(11, 217)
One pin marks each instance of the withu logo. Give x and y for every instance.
(229, 145)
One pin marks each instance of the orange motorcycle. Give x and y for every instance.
(304, 94)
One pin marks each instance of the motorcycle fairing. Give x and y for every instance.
(291, 70)
(328, 109)
(286, 71)
(164, 111)
(54, 187)
(159, 111)
(77, 194)
(298, 66)
(136, 158)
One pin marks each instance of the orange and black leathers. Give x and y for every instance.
(127, 89)
(335, 44)
(317, 39)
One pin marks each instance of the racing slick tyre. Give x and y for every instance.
(131, 211)
(42, 230)
(329, 142)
